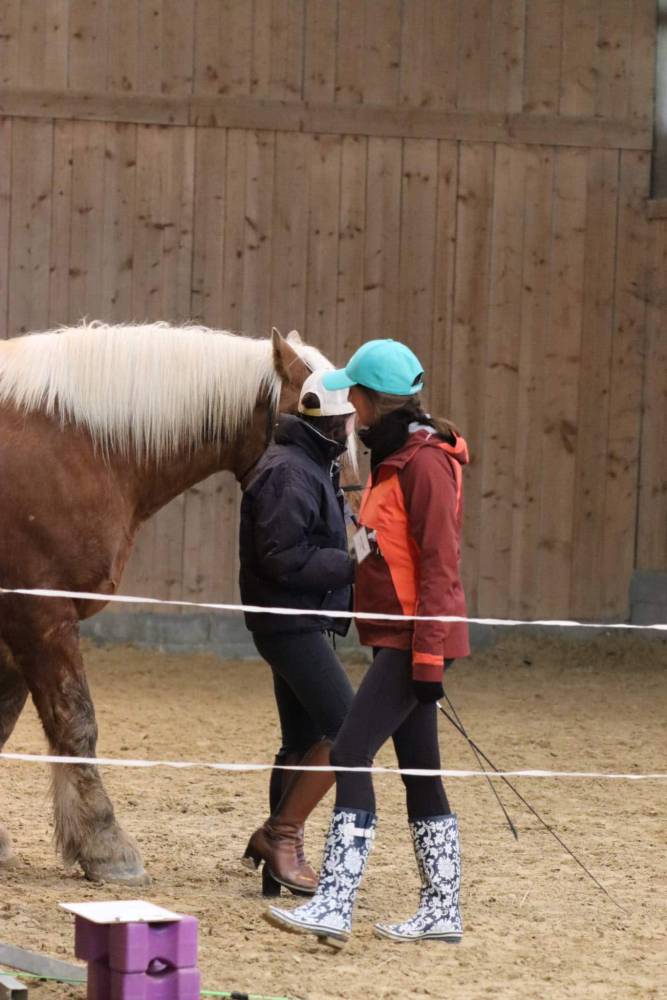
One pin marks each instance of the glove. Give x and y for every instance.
(427, 692)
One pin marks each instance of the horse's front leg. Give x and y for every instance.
(13, 694)
(86, 829)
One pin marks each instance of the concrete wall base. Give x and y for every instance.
(648, 597)
(227, 636)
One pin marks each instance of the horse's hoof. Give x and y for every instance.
(109, 855)
(120, 874)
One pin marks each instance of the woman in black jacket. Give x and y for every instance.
(293, 552)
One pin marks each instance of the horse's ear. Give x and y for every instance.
(294, 337)
(283, 354)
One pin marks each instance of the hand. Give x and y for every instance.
(427, 692)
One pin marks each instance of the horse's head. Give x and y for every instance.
(293, 362)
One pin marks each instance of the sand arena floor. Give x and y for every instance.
(535, 926)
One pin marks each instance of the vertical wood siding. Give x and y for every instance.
(526, 277)
(576, 57)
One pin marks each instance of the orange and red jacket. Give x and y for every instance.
(413, 501)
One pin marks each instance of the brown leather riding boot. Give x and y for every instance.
(278, 785)
(279, 842)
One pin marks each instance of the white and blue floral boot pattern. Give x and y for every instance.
(329, 912)
(436, 844)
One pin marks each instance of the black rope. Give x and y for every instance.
(530, 808)
(482, 768)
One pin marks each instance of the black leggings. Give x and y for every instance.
(384, 706)
(313, 692)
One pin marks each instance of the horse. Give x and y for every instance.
(100, 427)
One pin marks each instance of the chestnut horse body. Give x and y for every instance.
(100, 427)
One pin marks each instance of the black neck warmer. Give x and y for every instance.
(388, 435)
(392, 431)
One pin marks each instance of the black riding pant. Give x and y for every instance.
(384, 706)
(313, 692)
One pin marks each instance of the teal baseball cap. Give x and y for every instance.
(383, 365)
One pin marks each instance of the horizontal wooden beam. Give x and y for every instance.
(139, 109)
(298, 116)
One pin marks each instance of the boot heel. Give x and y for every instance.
(304, 893)
(252, 858)
(270, 887)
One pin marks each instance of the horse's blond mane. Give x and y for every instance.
(149, 388)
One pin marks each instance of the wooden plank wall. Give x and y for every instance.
(563, 57)
(505, 239)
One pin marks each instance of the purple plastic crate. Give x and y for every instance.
(176, 984)
(91, 941)
(132, 947)
(99, 981)
(171, 984)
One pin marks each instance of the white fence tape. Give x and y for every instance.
(365, 615)
(243, 767)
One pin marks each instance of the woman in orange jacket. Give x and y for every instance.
(409, 554)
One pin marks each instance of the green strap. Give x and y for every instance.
(236, 995)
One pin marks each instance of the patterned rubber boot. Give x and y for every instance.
(329, 914)
(436, 843)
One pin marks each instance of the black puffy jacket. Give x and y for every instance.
(293, 542)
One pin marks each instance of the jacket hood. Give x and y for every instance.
(423, 437)
(292, 430)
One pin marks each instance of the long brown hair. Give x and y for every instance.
(384, 403)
